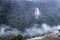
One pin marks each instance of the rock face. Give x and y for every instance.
(45, 38)
(53, 36)
(36, 38)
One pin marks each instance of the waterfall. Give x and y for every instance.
(44, 28)
(37, 13)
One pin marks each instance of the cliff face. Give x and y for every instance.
(20, 14)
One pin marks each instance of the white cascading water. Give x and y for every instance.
(37, 13)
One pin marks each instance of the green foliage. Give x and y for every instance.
(18, 37)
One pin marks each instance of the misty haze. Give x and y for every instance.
(29, 17)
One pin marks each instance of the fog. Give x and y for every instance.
(29, 17)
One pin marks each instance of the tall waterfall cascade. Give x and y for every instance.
(37, 13)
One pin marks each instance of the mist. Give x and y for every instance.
(46, 29)
(29, 17)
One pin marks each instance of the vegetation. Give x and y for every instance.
(20, 14)
(10, 37)
(18, 37)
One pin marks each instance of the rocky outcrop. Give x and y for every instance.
(52, 36)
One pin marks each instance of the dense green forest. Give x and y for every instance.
(20, 14)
